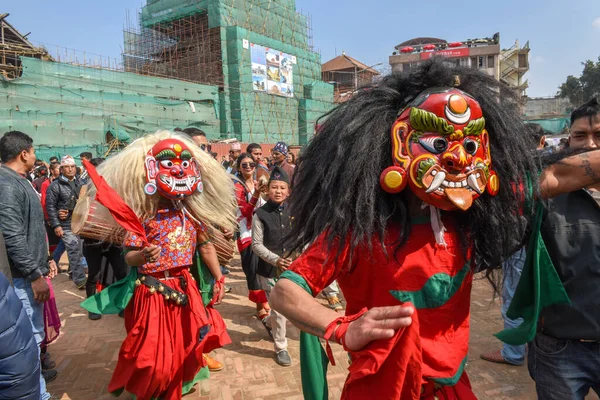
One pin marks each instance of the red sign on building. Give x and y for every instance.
(462, 52)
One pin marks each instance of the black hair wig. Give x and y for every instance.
(336, 184)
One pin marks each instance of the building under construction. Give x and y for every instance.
(235, 69)
(14, 45)
(214, 41)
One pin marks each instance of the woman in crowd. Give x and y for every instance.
(247, 193)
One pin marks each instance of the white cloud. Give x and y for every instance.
(596, 23)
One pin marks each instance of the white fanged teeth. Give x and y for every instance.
(433, 173)
(437, 181)
(464, 183)
(478, 175)
(472, 180)
(451, 184)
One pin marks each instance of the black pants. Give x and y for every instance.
(95, 252)
(250, 268)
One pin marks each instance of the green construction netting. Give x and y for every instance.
(553, 125)
(72, 107)
(244, 113)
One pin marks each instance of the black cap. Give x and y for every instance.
(278, 174)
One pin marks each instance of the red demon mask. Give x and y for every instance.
(171, 170)
(441, 150)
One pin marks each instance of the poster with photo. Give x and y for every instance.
(272, 71)
(274, 88)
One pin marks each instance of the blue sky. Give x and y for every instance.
(561, 33)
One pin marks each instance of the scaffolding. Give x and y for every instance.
(185, 49)
(13, 45)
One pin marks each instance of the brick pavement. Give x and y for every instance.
(86, 353)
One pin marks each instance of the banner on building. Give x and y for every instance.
(462, 52)
(272, 71)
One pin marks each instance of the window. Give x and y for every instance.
(490, 62)
(481, 62)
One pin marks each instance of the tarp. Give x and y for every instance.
(553, 125)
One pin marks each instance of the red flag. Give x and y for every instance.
(110, 199)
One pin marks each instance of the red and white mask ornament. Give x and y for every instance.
(171, 170)
(440, 148)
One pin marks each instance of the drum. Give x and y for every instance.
(223, 246)
(92, 220)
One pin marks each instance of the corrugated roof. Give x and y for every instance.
(344, 62)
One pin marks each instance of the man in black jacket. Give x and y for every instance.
(61, 198)
(564, 357)
(22, 224)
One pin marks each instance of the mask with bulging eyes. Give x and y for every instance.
(171, 170)
(440, 149)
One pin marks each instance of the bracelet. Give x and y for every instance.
(337, 329)
(204, 243)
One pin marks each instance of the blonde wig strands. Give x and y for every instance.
(126, 173)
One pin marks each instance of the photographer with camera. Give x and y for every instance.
(61, 198)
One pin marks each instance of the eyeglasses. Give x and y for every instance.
(248, 165)
(204, 147)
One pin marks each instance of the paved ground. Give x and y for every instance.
(86, 353)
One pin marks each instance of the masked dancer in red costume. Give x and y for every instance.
(428, 180)
(175, 190)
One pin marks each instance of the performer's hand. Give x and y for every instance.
(151, 253)
(53, 269)
(58, 231)
(283, 263)
(41, 290)
(377, 323)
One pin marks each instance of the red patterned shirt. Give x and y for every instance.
(176, 239)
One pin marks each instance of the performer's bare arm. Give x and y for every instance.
(308, 315)
(570, 174)
(209, 256)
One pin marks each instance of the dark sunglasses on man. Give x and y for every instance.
(205, 147)
(248, 165)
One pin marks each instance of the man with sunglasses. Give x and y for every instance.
(199, 137)
(234, 153)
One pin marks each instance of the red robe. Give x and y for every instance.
(436, 280)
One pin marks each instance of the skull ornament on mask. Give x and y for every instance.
(171, 170)
(441, 150)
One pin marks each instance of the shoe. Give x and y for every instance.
(283, 358)
(225, 270)
(212, 364)
(335, 303)
(46, 362)
(122, 313)
(49, 375)
(227, 289)
(81, 285)
(94, 316)
(496, 357)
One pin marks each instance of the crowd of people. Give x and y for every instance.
(401, 209)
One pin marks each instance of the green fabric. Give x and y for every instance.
(539, 287)
(203, 277)
(204, 373)
(313, 359)
(438, 289)
(453, 379)
(113, 299)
